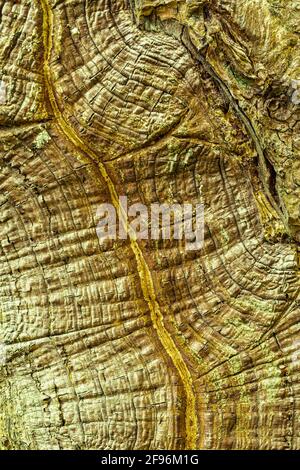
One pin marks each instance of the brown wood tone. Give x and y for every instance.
(142, 344)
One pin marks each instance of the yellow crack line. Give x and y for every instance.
(191, 422)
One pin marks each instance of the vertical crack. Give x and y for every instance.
(88, 155)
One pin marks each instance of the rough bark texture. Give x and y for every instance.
(143, 345)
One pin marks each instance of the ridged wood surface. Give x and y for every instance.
(141, 344)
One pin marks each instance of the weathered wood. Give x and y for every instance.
(141, 344)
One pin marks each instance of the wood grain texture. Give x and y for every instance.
(141, 344)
